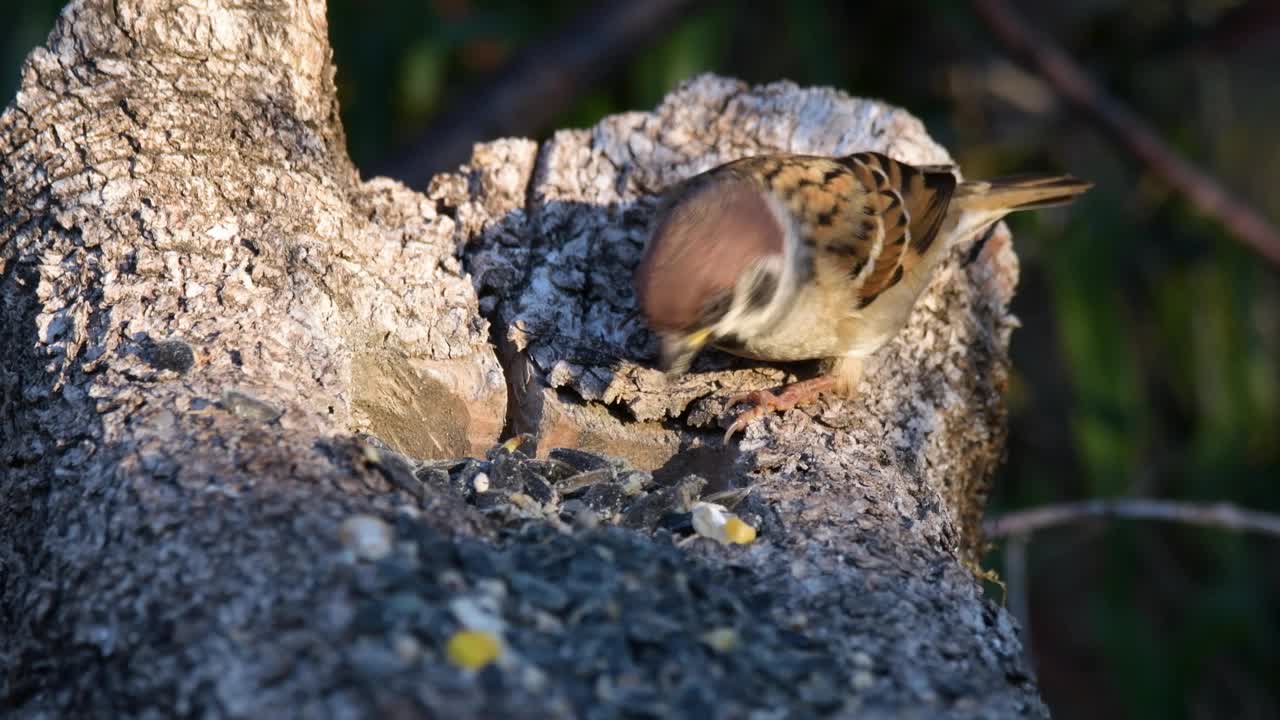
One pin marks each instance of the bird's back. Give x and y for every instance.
(865, 224)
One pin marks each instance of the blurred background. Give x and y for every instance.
(1148, 363)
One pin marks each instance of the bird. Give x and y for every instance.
(787, 257)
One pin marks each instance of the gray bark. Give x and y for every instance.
(229, 364)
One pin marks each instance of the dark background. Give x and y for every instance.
(1148, 360)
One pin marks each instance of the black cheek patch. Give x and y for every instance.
(716, 309)
(762, 290)
(730, 342)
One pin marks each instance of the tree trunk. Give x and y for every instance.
(234, 374)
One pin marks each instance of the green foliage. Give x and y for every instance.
(1087, 275)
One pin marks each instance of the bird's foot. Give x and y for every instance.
(764, 402)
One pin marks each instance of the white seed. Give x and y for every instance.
(367, 536)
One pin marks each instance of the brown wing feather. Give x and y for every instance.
(917, 203)
(870, 218)
(887, 201)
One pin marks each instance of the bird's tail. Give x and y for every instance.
(1018, 192)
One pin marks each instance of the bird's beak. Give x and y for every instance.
(678, 351)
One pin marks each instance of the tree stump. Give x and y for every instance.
(240, 385)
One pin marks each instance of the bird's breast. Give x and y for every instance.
(815, 326)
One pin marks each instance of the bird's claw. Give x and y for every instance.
(762, 403)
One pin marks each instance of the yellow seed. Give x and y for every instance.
(515, 442)
(473, 649)
(736, 531)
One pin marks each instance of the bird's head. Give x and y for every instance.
(713, 266)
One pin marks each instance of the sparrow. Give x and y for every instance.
(787, 257)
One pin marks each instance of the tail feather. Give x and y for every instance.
(1019, 192)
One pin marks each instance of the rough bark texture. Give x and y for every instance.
(213, 331)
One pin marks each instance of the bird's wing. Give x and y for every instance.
(869, 218)
(910, 204)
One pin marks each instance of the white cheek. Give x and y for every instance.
(744, 320)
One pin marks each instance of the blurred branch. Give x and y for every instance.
(534, 86)
(1126, 129)
(1222, 516)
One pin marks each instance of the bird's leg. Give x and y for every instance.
(764, 402)
(843, 378)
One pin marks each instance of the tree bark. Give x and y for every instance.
(234, 376)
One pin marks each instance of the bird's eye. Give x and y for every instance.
(716, 309)
(763, 286)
